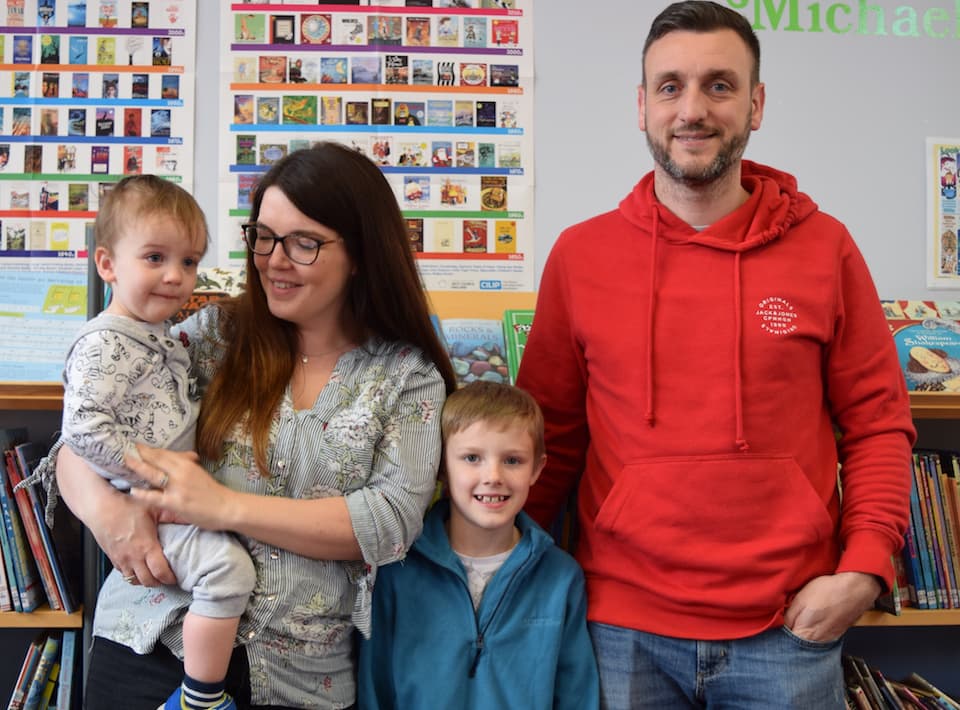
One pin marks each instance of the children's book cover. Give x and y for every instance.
(443, 236)
(487, 114)
(160, 122)
(268, 110)
(448, 31)
(76, 122)
(106, 51)
(250, 27)
(162, 51)
(505, 32)
(245, 69)
(110, 85)
(439, 112)
(415, 233)
(412, 154)
(243, 108)
(21, 83)
(516, 329)
(140, 14)
(49, 121)
(474, 236)
(929, 353)
(104, 121)
(493, 192)
(132, 159)
(349, 29)
(380, 111)
(416, 191)
(170, 86)
(396, 69)
(486, 155)
(474, 32)
(365, 70)
(381, 149)
(421, 71)
(166, 158)
(132, 122)
(246, 149)
(508, 114)
(78, 196)
(385, 29)
(80, 85)
(246, 183)
(315, 28)
(333, 70)
(508, 155)
(100, 159)
(441, 154)
(331, 110)
(77, 52)
(446, 73)
(23, 49)
(108, 13)
(409, 113)
(465, 154)
(357, 113)
(140, 86)
(50, 84)
(476, 348)
(504, 75)
(49, 49)
(270, 153)
(417, 32)
(22, 119)
(463, 113)
(473, 74)
(273, 69)
(282, 29)
(301, 110)
(453, 192)
(505, 236)
(33, 159)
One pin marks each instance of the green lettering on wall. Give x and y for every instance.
(863, 18)
(935, 14)
(775, 14)
(906, 23)
(832, 23)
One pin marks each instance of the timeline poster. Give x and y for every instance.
(440, 97)
(943, 213)
(90, 91)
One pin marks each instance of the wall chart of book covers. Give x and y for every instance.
(437, 92)
(90, 91)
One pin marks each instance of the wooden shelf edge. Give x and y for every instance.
(31, 395)
(912, 617)
(41, 618)
(932, 405)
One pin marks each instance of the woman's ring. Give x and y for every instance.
(129, 578)
(164, 480)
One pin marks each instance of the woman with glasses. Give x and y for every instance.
(322, 387)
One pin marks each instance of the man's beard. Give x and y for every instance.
(729, 153)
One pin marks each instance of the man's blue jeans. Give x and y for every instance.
(775, 669)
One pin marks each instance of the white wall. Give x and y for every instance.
(847, 114)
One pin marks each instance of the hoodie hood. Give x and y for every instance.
(774, 206)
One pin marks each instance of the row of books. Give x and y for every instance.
(928, 569)
(868, 689)
(487, 349)
(32, 571)
(48, 674)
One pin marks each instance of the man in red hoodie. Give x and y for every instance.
(705, 356)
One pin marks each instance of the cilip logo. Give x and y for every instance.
(491, 285)
(777, 316)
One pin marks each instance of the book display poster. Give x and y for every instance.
(441, 98)
(90, 91)
(943, 213)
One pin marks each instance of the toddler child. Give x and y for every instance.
(127, 380)
(485, 612)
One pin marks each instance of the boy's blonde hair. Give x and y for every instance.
(138, 197)
(497, 404)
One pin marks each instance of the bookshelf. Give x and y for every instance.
(41, 618)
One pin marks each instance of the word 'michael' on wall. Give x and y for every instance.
(862, 18)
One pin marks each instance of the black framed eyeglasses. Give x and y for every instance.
(300, 248)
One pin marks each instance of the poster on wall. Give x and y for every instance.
(439, 95)
(90, 91)
(943, 213)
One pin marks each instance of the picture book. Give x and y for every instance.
(29, 585)
(439, 112)
(504, 32)
(504, 75)
(250, 27)
(243, 108)
(49, 49)
(417, 32)
(443, 236)
(380, 111)
(409, 113)
(80, 85)
(474, 236)
(104, 121)
(508, 155)
(416, 191)
(6, 601)
(441, 154)
(78, 196)
(446, 73)
(349, 29)
(140, 86)
(27, 669)
(357, 113)
(929, 353)
(415, 233)
(487, 114)
(385, 29)
(505, 236)
(273, 69)
(463, 113)
(270, 153)
(412, 153)
(331, 110)
(421, 71)
(476, 348)
(396, 69)
(365, 70)
(493, 192)
(333, 70)
(486, 155)
(448, 31)
(8, 439)
(516, 329)
(465, 154)
(282, 29)
(300, 110)
(246, 149)
(132, 121)
(77, 49)
(381, 149)
(315, 29)
(160, 122)
(473, 74)
(474, 32)
(49, 656)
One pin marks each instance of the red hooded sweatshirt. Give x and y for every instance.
(694, 383)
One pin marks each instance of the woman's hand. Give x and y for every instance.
(124, 529)
(181, 488)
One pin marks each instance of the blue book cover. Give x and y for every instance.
(68, 653)
(49, 656)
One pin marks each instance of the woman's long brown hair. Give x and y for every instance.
(344, 191)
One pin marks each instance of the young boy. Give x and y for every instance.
(127, 380)
(485, 612)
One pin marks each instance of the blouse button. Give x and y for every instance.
(281, 464)
(152, 337)
(251, 634)
(271, 597)
(274, 555)
(168, 343)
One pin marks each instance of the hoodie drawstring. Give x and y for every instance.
(649, 416)
(738, 355)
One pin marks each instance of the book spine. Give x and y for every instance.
(6, 601)
(949, 530)
(952, 497)
(68, 652)
(28, 584)
(939, 521)
(943, 582)
(49, 687)
(49, 655)
(9, 559)
(33, 536)
(933, 579)
(925, 594)
(27, 669)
